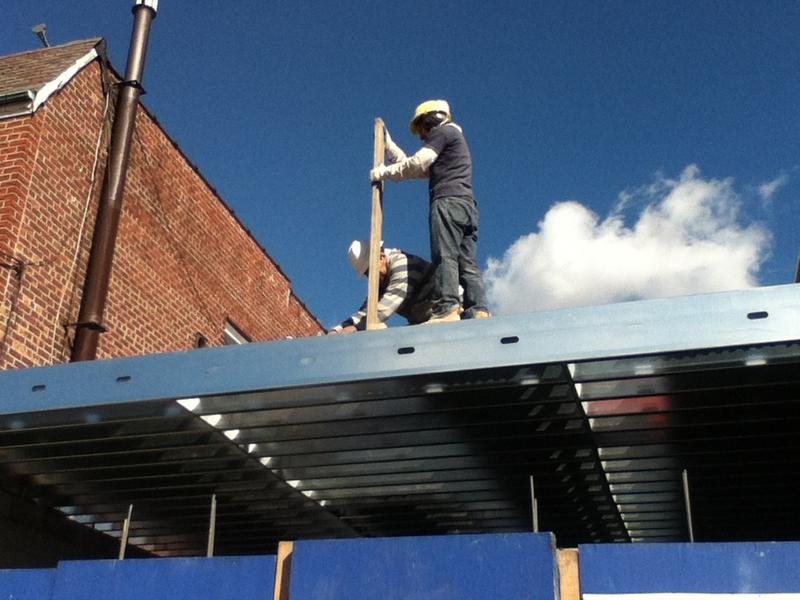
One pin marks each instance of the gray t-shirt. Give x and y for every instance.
(451, 172)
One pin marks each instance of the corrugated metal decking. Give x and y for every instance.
(432, 429)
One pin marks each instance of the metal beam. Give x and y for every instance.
(728, 319)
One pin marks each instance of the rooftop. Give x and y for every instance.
(426, 430)
(27, 79)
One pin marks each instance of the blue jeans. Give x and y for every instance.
(454, 254)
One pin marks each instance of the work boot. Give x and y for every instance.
(453, 315)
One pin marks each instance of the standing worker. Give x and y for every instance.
(445, 161)
(404, 287)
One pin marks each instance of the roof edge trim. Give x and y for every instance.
(51, 87)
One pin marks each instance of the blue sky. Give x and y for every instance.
(673, 127)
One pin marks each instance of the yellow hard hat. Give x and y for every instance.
(427, 107)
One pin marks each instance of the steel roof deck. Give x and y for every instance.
(432, 429)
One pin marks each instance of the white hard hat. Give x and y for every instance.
(358, 253)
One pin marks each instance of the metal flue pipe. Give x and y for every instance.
(98, 271)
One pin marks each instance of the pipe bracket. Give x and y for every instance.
(91, 325)
(134, 83)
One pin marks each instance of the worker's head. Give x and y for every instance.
(358, 253)
(428, 115)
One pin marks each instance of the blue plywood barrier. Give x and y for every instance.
(26, 584)
(224, 578)
(740, 568)
(459, 567)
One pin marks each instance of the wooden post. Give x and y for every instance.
(212, 526)
(569, 574)
(283, 569)
(375, 230)
(123, 542)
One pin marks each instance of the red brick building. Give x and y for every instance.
(185, 268)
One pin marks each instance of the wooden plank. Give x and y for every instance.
(569, 580)
(375, 230)
(283, 570)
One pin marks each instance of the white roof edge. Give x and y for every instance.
(51, 87)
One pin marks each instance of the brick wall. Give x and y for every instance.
(184, 263)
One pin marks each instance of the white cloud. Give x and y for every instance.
(767, 190)
(687, 239)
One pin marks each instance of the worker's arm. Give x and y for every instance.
(341, 328)
(350, 324)
(402, 166)
(392, 298)
(396, 289)
(412, 167)
(393, 151)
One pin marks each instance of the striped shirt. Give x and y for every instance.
(407, 291)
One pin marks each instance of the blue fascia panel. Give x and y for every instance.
(223, 578)
(456, 567)
(26, 584)
(723, 568)
(728, 319)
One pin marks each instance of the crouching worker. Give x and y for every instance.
(405, 287)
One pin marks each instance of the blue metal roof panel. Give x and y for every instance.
(430, 429)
